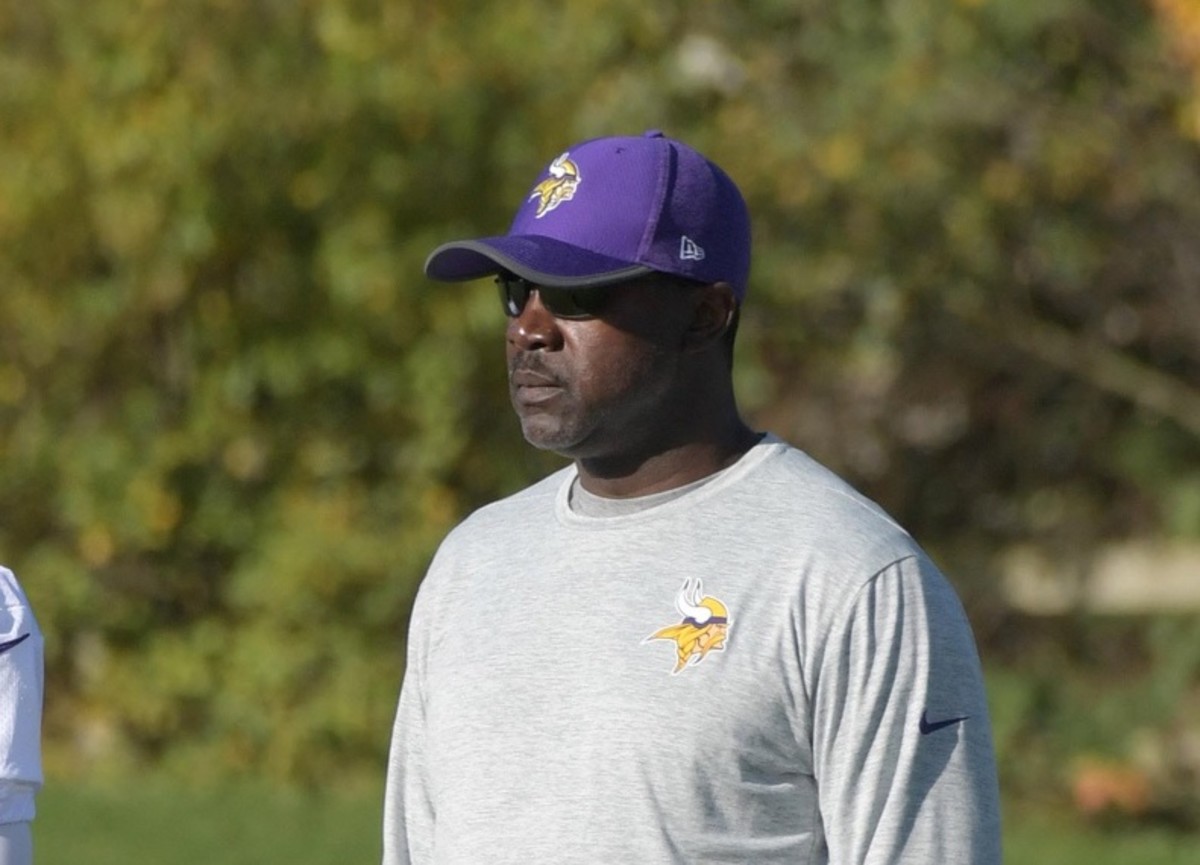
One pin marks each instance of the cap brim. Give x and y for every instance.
(541, 260)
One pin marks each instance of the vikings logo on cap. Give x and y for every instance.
(560, 186)
(704, 629)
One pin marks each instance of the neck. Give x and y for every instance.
(705, 450)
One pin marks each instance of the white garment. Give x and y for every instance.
(21, 685)
(545, 717)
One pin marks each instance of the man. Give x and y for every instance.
(20, 720)
(694, 644)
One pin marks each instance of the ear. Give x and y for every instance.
(714, 308)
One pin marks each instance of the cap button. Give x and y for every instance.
(653, 133)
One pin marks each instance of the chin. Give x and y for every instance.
(573, 444)
(548, 437)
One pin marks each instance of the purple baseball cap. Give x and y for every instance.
(611, 209)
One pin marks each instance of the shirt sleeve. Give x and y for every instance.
(21, 685)
(408, 814)
(902, 742)
(16, 844)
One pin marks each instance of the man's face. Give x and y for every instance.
(604, 385)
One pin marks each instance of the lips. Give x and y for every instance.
(530, 387)
(532, 378)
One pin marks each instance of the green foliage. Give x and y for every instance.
(1108, 695)
(235, 419)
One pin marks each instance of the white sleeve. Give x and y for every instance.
(902, 741)
(16, 844)
(408, 814)
(21, 684)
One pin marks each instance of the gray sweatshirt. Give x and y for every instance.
(765, 669)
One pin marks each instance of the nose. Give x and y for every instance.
(535, 328)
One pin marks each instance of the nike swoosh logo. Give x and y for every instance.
(928, 726)
(11, 644)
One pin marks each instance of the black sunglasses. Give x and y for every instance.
(559, 302)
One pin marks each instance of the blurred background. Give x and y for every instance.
(235, 419)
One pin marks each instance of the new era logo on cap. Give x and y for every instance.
(689, 250)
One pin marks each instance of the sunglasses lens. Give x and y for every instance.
(559, 302)
(514, 292)
(568, 304)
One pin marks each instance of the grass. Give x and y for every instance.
(166, 822)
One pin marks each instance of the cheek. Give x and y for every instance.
(624, 367)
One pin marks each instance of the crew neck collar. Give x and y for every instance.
(576, 506)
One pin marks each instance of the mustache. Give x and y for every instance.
(532, 365)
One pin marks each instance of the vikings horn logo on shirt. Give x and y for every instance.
(560, 186)
(704, 629)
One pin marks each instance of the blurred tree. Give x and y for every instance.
(236, 420)
(1181, 23)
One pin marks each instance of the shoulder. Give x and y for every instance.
(814, 523)
(15, 612)
(789, 485)
(11, 594)
(535, 502)
(800, 479)
(483, 534)
(481, 545)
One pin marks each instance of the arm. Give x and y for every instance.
(16, 844)
(408, 817)
(21, 685)
(902, 742)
